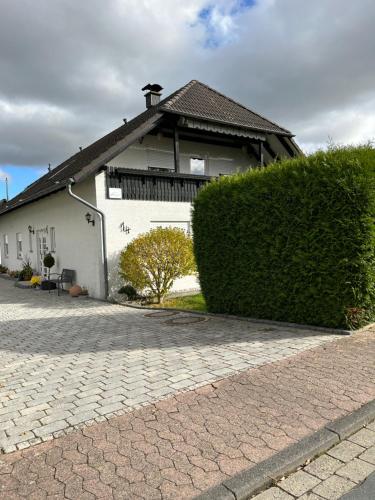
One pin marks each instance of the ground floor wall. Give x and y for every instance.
(126, 219)
(58, 224)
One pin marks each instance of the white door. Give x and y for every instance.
(42, 248)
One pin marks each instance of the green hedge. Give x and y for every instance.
(293, 241)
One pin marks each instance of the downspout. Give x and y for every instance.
(102, 226)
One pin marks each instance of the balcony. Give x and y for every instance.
(154, 185)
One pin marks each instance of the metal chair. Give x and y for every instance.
(66, 276)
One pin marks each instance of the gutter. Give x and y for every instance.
(102, 233)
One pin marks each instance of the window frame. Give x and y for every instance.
(31, 249)
(6, 246)
(19, 247)
(52, 239)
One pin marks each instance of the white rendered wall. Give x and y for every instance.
(140, 216)
(77, 242)
(157, 151)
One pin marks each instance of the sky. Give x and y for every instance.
(71, 71)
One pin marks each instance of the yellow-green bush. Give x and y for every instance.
(293, 241)
(154, 260)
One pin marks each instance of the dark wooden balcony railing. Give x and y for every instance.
(154, 185)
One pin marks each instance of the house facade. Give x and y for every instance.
(142, 175)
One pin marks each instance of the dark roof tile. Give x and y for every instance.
(194, 99)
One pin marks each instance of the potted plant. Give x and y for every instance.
(26, 271)
(48, 262)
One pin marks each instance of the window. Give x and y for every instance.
(30, 242)
(52, 235)
(6, 246)
(19, 245)
(197, 166)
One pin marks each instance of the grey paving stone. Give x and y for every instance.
(356, 470)
(298, 483)
(365, 491)
(84, 416)
(310, 496)
(113, 399)
(35, 409)
(55, 416)
(324, 466)
(63, 357)
(47, 430)
(273, 494)
(333, 487)
(346, 451)
(364, 437)
(111, 408)
(368, 455)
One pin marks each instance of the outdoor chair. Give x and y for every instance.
(66, 276)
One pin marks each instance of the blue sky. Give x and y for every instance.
(18, 178)
(294, 62)
(217, 19)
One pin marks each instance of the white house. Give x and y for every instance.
(142, 175)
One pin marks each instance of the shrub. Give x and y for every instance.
(26, 271)
(294, 241)
(14, 274)
(3, 269)
(49, 262)
(153, 260)
(129, 291)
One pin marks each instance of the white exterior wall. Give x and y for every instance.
(77, 242)
(140, 216)
(157, 151)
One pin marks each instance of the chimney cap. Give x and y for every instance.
(153, 87)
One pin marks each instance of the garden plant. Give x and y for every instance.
(293, 241)
(154, 260)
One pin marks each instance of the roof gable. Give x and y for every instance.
(194, 99)
(199, 100)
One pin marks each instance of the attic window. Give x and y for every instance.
(197, 166)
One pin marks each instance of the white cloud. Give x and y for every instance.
(75, 69)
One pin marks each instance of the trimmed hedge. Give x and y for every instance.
(294, 241)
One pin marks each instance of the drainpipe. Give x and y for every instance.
(102, 226)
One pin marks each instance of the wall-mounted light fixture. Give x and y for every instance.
(90, 219)
(31, 230)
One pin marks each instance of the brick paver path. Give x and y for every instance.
(183, 445)
(333, 474)
(67, 361)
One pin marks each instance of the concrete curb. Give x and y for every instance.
(244, 485)
(279, 324)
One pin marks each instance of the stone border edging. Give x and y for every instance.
(244, 485)
(322, 329)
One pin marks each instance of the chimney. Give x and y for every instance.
(153, 94)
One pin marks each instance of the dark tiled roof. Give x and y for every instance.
(200, 101)
(194, 99)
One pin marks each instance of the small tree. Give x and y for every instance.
(49, 262)
(155, 259)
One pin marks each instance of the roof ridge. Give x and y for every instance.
(241, 105)
(177, 94)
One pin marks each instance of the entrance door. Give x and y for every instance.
(42, 248)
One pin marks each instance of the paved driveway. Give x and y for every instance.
(65, 362)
